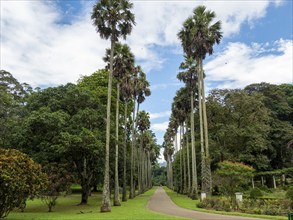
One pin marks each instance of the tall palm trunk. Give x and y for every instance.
(170, 171)
(188, 163)
(106, 206)
(140, 168)
(202, 149)
(208, 185)
(116, 190)
(181, 162)
(124, 152)
(184, 162)
(194, 191)
(132, 190)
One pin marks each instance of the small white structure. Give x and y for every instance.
(239, 197)
(203, 195)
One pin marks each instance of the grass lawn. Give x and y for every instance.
(67, 208)
(185, 202)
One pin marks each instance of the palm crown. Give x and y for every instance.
(113, 18)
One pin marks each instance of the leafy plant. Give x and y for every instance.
(255, 193)
(20, 178)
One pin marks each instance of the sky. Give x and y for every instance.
(49, 43)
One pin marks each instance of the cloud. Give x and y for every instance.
(160, 115)
(241, 64)
(37, 47)
(160, 126)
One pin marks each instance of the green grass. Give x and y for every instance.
(67, 208)
(185, 202)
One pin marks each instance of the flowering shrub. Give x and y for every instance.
(20, 178)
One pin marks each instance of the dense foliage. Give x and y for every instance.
(20, 178)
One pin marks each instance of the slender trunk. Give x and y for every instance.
(194, 192)
(131, 193)
(202, 149)
(85, 184)
(184, 162)
(106, 206)
(188, 164)
(206, 138)
(149, 171)
(116, 190)
(170, 171)
(140, 167)
(181, 152)
(124, 153)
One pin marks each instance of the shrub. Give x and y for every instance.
(20, 178)
(289, 193)
(255, 193)
(219, 204)
(59, 182)
(231, 176)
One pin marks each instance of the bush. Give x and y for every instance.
(59, 182)
(255, 193)
(20, 178)
(219, 204)
(289, 193)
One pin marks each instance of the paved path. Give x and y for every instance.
(161, 202)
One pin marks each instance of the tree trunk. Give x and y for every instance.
(184, 162)
(188, 163)
(116, 188)
(85, 190)
(170, 171)
(181, 170)
(208, 172)
(85, 184)
(131, 193)
(202, 151)
(194, 191)
(106, 206)
(124, 153)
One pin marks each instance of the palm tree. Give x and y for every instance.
(126, 93)
(112, 19)
(140, 91)
(189, 78)
(143, 124)
(198, 37)
(123, 61)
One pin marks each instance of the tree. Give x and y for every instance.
(140, 91)
(59, 182)
(239, 128)
(20, 178)
(123, 62)
(112, 19)
(232, 175)
(189, 77)
(13, 97)
(143, 124)
(198, 37)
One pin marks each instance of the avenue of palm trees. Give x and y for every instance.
(113, 20)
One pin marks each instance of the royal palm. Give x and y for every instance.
(112, 19)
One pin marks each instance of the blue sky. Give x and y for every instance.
(48, 43)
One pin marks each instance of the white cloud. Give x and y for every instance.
(240, 64)
(38, 49)
(160, 115)
(160, 126)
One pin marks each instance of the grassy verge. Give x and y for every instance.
(185, 202)
(67, 208)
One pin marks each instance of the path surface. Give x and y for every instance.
(161, 202)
